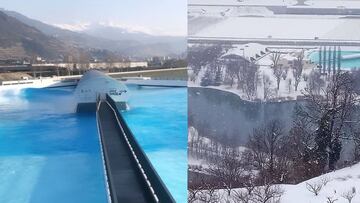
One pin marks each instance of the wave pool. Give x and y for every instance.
(48, 153)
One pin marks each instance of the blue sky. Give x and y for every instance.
(155, 16)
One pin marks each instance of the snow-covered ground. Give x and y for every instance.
(263, 59)
(334, 185)
(285, 92)
(339, 183)
(201, 164)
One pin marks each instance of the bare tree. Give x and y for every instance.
(267, 193)
(356, 138)
(329, 111)
(251, 78)
(278, 69)
(245, 193)
(193, 195)
(228, 170)
(258, 194)
(349, 195)
(315, 83)
(324, 180)
(202, 189)
(232, 71)
(298, 68)
(301, 145)
(314, 188)
(242, 196)
(265, 147)
(331, 200)
(200, 57)
(289, 85)
(209, 195)
(267, 87)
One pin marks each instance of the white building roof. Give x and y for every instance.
(93, 83)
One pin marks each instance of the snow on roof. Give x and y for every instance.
(284, 28)
(242, 2)
(289, 3)
(246, 50)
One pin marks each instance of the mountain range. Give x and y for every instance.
(21, 36)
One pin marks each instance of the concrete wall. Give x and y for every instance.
(102, 65)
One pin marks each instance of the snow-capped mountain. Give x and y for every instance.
(126, 41)
(114, 31)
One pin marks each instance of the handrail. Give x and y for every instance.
(109, 183)
(153, 180)
(139, 166)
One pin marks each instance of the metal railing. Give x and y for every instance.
(109, 184)
(150, 177)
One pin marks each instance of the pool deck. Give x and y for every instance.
(130, 175)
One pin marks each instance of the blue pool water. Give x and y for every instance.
(48, 153)
(345, 63)
(158, 119)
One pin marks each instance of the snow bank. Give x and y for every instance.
(340, 181)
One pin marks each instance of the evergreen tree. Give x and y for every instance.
(218, 77)
(334, 61)
(339, 59)
(324, 59)
(329, 61)
(322, 140)
(320, 58)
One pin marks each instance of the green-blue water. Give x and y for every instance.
(346, 64)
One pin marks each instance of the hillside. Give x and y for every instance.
(121, 41)
(335, 185)
(18, 41)
(339, 182)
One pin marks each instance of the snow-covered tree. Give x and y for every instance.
(250, 74)
(232, 71)
(277, 68)
(265, 146)
(267, 87)
(228, 170)
(329, 63)
(207, 79)
(324, 59)
(334, 60)
(315, 82)
(339, 59)
(298, 69)
(329, 111)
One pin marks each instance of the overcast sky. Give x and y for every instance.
(154, 16)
